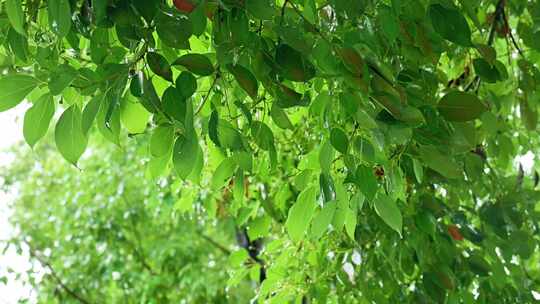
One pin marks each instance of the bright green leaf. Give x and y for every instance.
(301, 213)
(61, 77)
(59, 17)
(14, 88)
(14, 10)
(69, 136)
(162, 140)
(37, 119)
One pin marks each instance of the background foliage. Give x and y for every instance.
(99, 237)
(360, 151)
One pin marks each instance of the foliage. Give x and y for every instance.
(107, 238)
(370, 143)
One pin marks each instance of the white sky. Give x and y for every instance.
(10, 133)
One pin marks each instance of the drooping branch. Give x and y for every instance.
(56, 278)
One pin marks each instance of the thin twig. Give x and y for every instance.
(514, 42)
(137, 244)
(207, 95)
(283, 12)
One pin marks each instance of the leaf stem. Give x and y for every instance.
(208, 94)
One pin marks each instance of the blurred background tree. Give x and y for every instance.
(110, 235)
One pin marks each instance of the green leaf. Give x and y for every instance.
(461, 106)
(18, 45)
(133, 115)
(37, 119)
(418, 170)
(61, 78)
(339, 140)
(245, 79)
(440, 162)
(328, 189)
(529, 114)
(365, 149)
(287, 97)
(262, 135)
(147, 8)
(14, 10)
(14, 88)
(280, 118)
(185, 155)
(198, 19)
(322, 220)
(157, 166)
(223, 134)
(326, 157)
(468, 6)
(174, 29)
(196, 63)
(90, 112)
(350, 222)
(389, 23)
(186, 84)
(301, 213)
(366, 181)
(352, 60)
(479, 265)
(59, 17)
(227, 136)
(487, 72)
(357, 201)
(261, 9)
(136, 86)
(162, 140)
(69, 137)
(223, 173)
(426, 222)
(259, 227)
(150, 99)
(293, 65)
(174, 104)
(450, 24)
(388, 211)
(108, 119)
(159, 65)
(488, 52)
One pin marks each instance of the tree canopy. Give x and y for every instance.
(358, 151)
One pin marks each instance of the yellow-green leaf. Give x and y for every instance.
(37, 119)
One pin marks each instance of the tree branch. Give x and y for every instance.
(499, 13)
(59, 281)
(213, 242)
